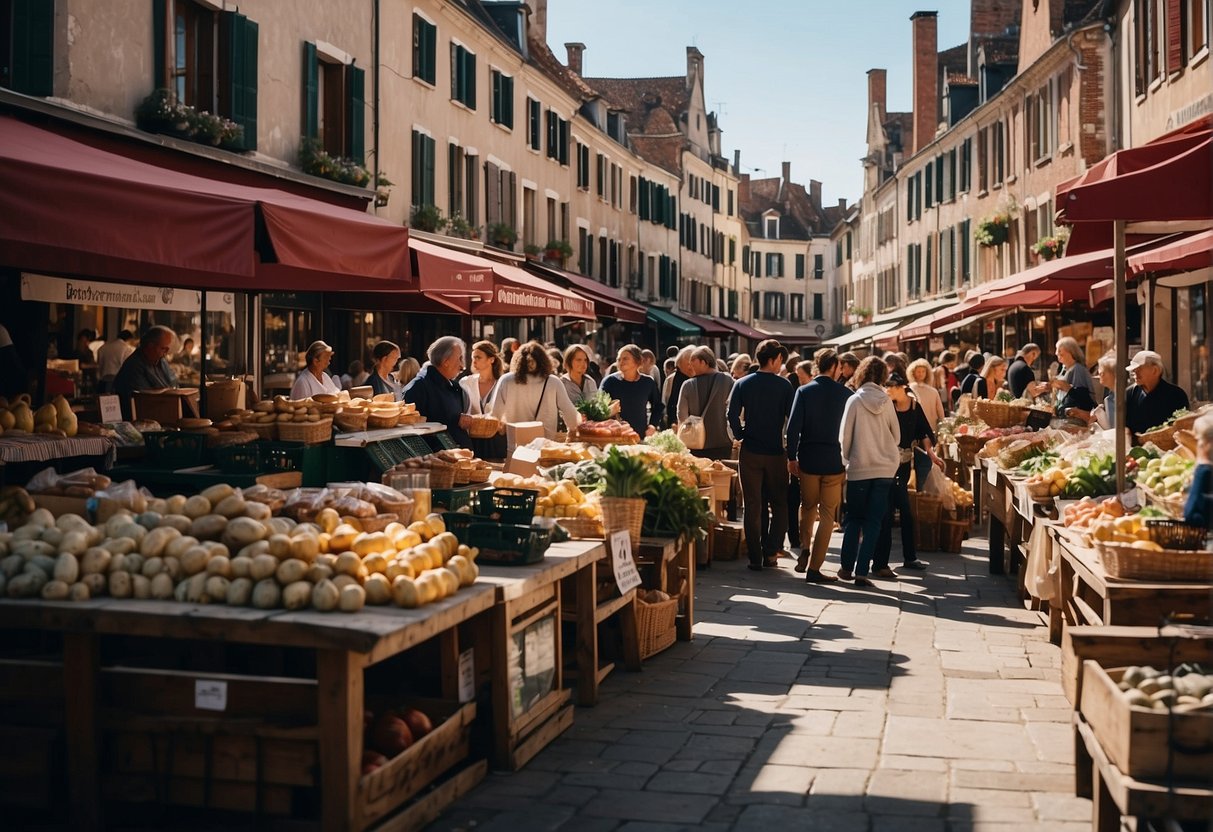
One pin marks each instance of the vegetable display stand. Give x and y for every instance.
(583, 605)
(257, 711)
(1120, 646)
(521, 635)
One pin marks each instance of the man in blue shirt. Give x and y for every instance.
(815, 457)
(758, 408)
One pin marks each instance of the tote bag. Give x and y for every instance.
(692, 430)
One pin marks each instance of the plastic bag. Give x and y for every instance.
(83, 483)
(937, 485)
(123, 495)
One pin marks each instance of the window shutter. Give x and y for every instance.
(429, 169)
(33, 45)
(563, 139)
(311, 91)
(642, 198)
(159, 42)
(1175, 33)
(469, 78)
(238, 49)
(356, 81)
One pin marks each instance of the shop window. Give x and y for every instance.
(206, 58)
(1195, 27)
(796, 308)
(334, 107)
(27, 45)
(1147, 33)
(818, 306)
(503, 99)
(425, 46)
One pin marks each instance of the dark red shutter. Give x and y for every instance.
(1175, 42)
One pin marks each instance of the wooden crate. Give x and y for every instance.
(32, 770)
(1124, 646)
(1144, 743)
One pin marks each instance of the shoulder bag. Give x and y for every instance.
(692, 430)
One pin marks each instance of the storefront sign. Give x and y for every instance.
(543, 303)
(1190, 112)
(96, 293)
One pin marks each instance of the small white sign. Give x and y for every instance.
(627, 577)
(210, 695)
(111, 409)
(991, 473)
(1131, 499)
(467, 676)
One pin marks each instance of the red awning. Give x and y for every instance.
(518, 293)
(116, 217)
(1188, 253)
(454, 274)
(712, 327)
(606, 302)
(1101, 292)
(1166, 179)
(745, 330)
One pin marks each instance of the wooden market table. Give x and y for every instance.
(1089, 596)
(330, 705)
(531, 602)
(673, 559)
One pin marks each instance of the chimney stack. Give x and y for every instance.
(743, 188)
(926, 77)
(878, 91)
(815, 193)
(842, 206)
(694, 65)
(575, 52)
(787, 173)
(737, 160)
(537, 28)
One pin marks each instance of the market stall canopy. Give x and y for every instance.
(121, 218)
(859, 336)
(660, 317)
(449, 272)
(712, 327)
(1164, 180)
(518, 293)
(606, 303)
(920, 327)
(745, 330)
(914, 310)
(1101, 292)
(1188, 253)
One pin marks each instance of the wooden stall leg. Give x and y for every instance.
(585, 598)
(503, 716)
(998, 538)
(340, 708)
(1105, 814)
(448, 650)
(687, 622)
(80, 668)
(631, 635)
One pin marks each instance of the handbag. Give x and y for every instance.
(692, 430)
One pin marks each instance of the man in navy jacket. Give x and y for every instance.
(815, 457)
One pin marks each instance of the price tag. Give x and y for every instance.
(210, 695)
(467, 676)
(111, 409)
(991, 473)
(627, 577)
(1131, 499)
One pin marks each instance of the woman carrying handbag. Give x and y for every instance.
(703, 423)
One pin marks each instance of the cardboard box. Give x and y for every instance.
(167, 407)
(222, 396)
(518, 434)
(59, 506)
(524, 462)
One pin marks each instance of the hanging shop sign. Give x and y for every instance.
(47, 289)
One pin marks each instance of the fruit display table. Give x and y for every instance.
(259, 711)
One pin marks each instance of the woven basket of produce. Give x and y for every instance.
(309, 433)
(264, 430)
(999, 414)
(1176, 534)
(655, 624)
(351, 420)
(1164, 438)
(442, 475)
(381, 419)
(484, 427)
(479, 473)
(1122, 560)
(624, 514)
(967, 446)
(582, 528)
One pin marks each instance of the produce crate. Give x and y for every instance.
(926, 510)
(238, 459)
(172, 449)
(1145, 744)
(32, 766)
(501, 544)
(726, 544)
(655, 625)
(508, 505)
(452, 499)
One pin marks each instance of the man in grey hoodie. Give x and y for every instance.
(869, 437)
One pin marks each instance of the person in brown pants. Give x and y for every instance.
(758, 408)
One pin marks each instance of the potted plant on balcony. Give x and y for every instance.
(993, 230)
(427, 218)
(532, 251)
(314, 159)
(502, 235)
(457, 226)
(557, 251)
(1050, 247)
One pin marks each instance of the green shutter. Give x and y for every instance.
(239, 36)
(356, 84)
(642, 197)
(429, 145)
(495, 83)
(159, 36)
(311, 91)
(33, 47)
(508, 102)
(564, 141)
(430, 38)
(469, 73)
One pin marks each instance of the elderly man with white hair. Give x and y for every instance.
(437, 394)
(1152, 400)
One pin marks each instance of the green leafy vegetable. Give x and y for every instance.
(667, 442)
(673, 508)
(595, 408)
(624, 475)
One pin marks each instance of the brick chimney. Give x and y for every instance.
(926, 77)
(993, 17)
(575, 51)
(842, 206)
(537, 27)
(787, 173)
(743, 188)
(694, 65)
(815, 193)
(737, 160)
(878, 91)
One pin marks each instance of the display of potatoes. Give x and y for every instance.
(218, 548)
(1188, 688)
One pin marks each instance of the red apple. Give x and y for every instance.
(390, 734)
(372, 760)
(419, 724)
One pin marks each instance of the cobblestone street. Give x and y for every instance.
(931, 704)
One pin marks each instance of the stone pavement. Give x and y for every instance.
(931, 704)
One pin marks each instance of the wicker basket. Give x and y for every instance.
(442, 476)
(378, 420)
(373, 524)
(1041, 492)
(726, 544)
(968, 446)
(655, 624)
(463, 472)
(722, 482)
(1176, 534)
(1164, 438)
(264, 430)
(479, 473)
(309, 433)
(484, 427)
(413, 418)
(582, 528)
(603, 441)
(1172, 505)
(624, 514)
(1187, 422)
(350, 421)
(998, 414)
(952, 534)
(327, 408)
(1121, 561)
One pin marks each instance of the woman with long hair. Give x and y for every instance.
(530, 392)
(1074, 383)
(578, 382)
(409, 368)
(479, 386)
(993, 374)
(920, 375)
(914, 429)
(384, 356)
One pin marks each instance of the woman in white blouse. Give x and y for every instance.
(479, 387)
(925, 391)
(530, 392)
(315, 379)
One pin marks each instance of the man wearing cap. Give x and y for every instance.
(1153, 399)
(314, 379)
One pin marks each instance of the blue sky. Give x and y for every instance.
(787, 77)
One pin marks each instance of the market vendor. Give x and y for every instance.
(1151, 400)
(437, 394)
(635, 392)
(147, 367)
(384, 357)
(1021, 377)
(1074, 382)
(1105, 414)
(1198, 511)
(314, 378)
